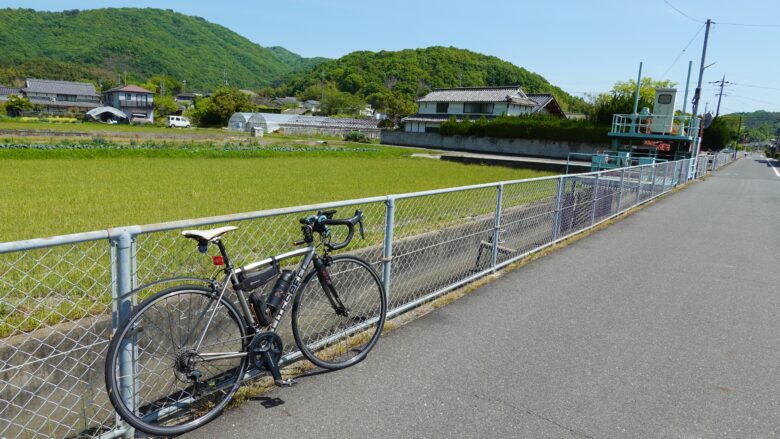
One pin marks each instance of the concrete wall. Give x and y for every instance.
(525, 147)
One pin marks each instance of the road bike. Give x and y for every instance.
(182, 353)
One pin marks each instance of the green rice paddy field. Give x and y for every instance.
(48, 191)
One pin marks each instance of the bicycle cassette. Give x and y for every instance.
(262, 343)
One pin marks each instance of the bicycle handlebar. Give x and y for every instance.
(319, 223)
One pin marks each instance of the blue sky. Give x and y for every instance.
(581, 46)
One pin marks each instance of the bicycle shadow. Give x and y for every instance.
(267, 401)
(272, 402)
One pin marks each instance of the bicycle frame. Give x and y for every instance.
(232, 275)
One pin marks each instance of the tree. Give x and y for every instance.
(170, 85)
(394, 104)
(16, 105)
(217, 109)
(165, 106)
(620, 100)
(337, 102)
(719, 134)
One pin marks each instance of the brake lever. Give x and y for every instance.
(360, 223)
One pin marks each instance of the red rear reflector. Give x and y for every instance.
(218, 260)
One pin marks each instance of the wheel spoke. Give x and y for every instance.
(167, 399)
(327, 338)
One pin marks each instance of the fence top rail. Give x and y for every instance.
(173, 225)
(75, 238)
(36, 243)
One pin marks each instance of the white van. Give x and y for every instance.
(178, 121)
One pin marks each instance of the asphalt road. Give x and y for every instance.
(666, 324)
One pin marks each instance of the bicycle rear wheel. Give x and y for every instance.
(159, 376)
(334, 339)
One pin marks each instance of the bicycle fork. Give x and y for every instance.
(330, 291)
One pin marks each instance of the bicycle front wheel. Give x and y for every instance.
(331, 337)
(175, 363)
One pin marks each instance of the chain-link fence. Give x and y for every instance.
(61, 297)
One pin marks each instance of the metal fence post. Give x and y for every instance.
(620, 192)
(677, 173)
(558, 212)
(639, 185)
(387, 252)
(497, 226)
(666, 176)
(595, 199)
(652, 183)
(122, 240)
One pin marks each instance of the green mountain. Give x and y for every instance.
(759, 126)
(295, 61)
(101, 43)
(414, 72)
(755, 119)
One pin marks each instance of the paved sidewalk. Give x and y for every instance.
(666, 324)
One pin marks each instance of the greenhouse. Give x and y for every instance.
(330, 126)
(268, 122)
(237, 121)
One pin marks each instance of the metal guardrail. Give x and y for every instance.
(643, 124)
(61, 297)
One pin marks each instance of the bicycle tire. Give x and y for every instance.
(162, 409)
(333, 341)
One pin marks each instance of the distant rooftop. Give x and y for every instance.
(60, 87)
(512, 94)
(543, 100)
(5, 91)
(130, 89)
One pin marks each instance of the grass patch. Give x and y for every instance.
(38, 125)
(57, 191)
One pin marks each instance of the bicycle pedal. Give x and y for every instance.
(285, 383)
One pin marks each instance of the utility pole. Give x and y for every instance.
(184, 86)
(739, 130)
(696, 99)
(322, 81)
(722, 83)
(697, 92)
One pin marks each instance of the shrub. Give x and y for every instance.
(529, 127)
(356, 136)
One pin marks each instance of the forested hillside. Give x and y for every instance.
(759, 125)
(154, 46)
(414, 72)
(98, 44)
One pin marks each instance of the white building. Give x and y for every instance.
(467, 103)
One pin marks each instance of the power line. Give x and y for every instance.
(725, 23)
(756, 86)
(683, 13)
(748, 24)
(683, 51)
(745, 98)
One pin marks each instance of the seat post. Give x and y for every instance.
(224, 254)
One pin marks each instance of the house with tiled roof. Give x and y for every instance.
(467, 103)
(61, 96)
(8, 91)
(136, 102)
(546, 104)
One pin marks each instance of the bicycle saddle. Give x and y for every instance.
(207, 235)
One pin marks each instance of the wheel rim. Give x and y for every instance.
(332, 340)
(173, 387)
